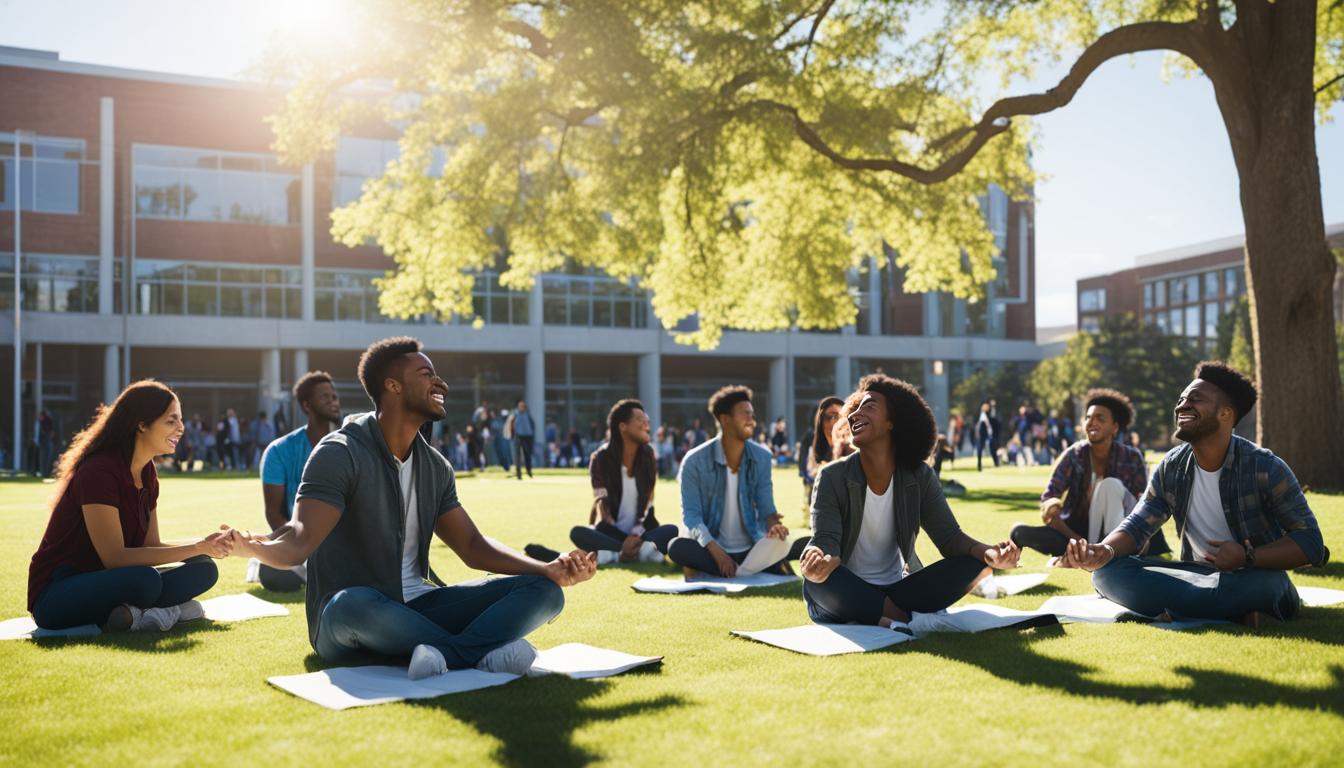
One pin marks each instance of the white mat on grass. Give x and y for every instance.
(835, 639)
(716, 584)
(995, 586)
(1316, 597)
(226, 608)
(1098, 610)
(346, 687)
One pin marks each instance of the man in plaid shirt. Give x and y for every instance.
(1095, 484)
(1241, 517)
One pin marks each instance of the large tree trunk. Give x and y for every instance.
(1263, 80)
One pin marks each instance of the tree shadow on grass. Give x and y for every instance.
(288, 598)
(535, 719)
(1331, 570)
(1012, 656)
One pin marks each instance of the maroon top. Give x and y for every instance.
(100, 479)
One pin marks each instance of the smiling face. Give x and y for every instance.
(740, 422)
(324, 402)
(422, 391)
(1100, 427)
(868, 422)
(160, 437)
(1201, 411)
(636, 428)
(828, 419)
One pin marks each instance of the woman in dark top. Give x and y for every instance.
(95, 564)
(623, 472)
(861, 566)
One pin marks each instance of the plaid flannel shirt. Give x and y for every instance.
(1261, 500)
(1073, 472)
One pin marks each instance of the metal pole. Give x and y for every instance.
(18, 309)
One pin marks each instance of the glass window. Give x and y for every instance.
(1211, 320)
(1091, 324)
(357, 160)
(1093, 300)
(1232, 281)
(1192, 288)
(1148, 318)
(1211, 285)
(203, 185)
(1176, 322)
(1147, 295)
(49, 169)
(1161, 321)
(1176, 291)
(1192, 321)
(1159, 293)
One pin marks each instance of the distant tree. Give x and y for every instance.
(1059, 382)
(1003, 382)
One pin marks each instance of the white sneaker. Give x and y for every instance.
(987, 588)
(253, 571)
(426, 661)
(161, 619)
(191, 611)
(648, 553)
(607, 557)
(516, 658)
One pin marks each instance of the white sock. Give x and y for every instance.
(648, 553)
(426, 661)
(191, 611)
(514, 658)
(607, 557)
(161, 619)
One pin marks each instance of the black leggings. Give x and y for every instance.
(279, 579)
(75, 598)
(606, 536)
(688, 553)
(844, 598)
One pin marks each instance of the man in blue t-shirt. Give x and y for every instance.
(282, 466)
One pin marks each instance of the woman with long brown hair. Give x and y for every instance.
(95, 564)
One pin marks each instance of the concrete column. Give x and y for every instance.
(936, 391)
(535, 394)
(307, 299)
(651, 387)
(269, 395)
(300, 368)
(37, 375)
(779, 394)
(534, 306)
(106, 206)
(843, 386)
(111, 372)
(874, 298)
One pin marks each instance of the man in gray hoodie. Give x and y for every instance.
(373, 493)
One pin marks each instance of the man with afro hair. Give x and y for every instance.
(1241, 517)
(1096, 482)
(867, 509)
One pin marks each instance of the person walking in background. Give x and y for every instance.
(984, 438)
(502, 445)
(524, 438)
(97, 560)
(235, 439)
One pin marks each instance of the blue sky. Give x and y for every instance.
(1132, 166)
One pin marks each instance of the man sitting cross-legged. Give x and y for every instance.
(861, 566)
(1096, 481)
(282, 466)
(624, 473)
(1241, 516)
(727, 498)
(373, 494)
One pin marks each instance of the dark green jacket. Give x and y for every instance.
(352, 469)
(917, 502)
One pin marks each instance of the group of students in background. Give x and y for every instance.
(352, 509)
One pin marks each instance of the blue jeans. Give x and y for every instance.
(74, 598)
(844, 598)
(464, 621)
(1149, 587)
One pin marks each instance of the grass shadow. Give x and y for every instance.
(1331, 570)
(180, 638)
(1003, 501)
(535, 719)
(288, 598)
(1011, 656)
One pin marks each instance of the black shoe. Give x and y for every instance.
(538, 552)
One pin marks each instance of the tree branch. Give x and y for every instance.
(538, 44)
(1329, 82)
(1132, 38)
(812, 33)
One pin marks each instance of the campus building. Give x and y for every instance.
(1183, 291)
(161, 237)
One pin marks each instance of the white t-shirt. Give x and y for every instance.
(412, 585)
(877, 557)
(1205, 521)
(625, 516)
(733, 536)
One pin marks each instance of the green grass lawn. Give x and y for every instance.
(1082, 694)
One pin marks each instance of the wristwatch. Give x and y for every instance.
(1250, 554)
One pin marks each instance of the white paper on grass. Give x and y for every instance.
(716, 584)
(828, 639)
(346, 687)
(995, 586)
(1316, 597)
(24, 628)
(1095, 609)
(970, 618)
(762, 555)
(581, 661)
(241, 608)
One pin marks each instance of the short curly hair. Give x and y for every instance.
(914, 430)
(1235, 384)
(376, 363)
(1118, 403)
(721, 403)
(303, 388)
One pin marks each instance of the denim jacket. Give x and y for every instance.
(703, 479)
(1261, 500)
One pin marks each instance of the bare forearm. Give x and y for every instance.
(1121, 542)
(486, 554)
(286, 548)
(274, 518)
(151, 555)
(1281, 555)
